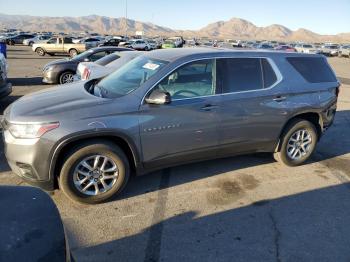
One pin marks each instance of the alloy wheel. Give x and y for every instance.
(299, 144)
(95, 175)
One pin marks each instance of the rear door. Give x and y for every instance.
(185, 129)
(252, 105)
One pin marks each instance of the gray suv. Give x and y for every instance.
(169, 107)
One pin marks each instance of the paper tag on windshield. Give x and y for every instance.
(151, 66)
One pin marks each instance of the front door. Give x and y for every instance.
(185, 129)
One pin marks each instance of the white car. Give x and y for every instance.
(139, 44)
(330, 50)
(178, 41)
(307, 49)
(105, 65)
(37, 39)
(90, 42)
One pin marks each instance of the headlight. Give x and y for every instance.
(31, 130)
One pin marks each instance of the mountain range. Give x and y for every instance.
(235, 28)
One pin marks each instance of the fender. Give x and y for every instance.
(96, 133)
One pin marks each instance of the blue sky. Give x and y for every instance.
(325, 17)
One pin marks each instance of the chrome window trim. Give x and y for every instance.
(271, 62)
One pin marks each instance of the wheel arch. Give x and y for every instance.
(313, 117)
(63, 147)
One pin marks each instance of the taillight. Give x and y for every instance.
(86, 74)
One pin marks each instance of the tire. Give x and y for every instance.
(68, 176)
(66, 77)
(289, 135)
(73, 52)
(40, 51)
(11, 42)
(146, 48)
(31, 43)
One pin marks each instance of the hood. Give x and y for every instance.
(61, 62)
(51, 104)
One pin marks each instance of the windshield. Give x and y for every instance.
(129, 77)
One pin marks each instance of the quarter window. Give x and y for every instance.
(268, 73)
(313, 69)
(190, 81)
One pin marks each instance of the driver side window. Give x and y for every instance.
(192, 80)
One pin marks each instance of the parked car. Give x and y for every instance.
(344, 51)
(178, 41)
(330, 50)
(168, 44)
(139, 44)
(111, 42)
(89, 42)
(307, 48)
(36, 39)
(62, 71)
(285, 48)
(146, 116)
(153, 44)
(105, 65)
(264, 46)
(59, 45)
(5, 87)
(18, 39)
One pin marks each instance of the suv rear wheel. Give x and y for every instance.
(297, 143)
(94, 172)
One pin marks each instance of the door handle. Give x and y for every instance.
(208, 107)
(279, 98)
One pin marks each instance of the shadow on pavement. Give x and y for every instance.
(26, 81)
(309, 226)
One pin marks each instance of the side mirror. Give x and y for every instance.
(158, 98)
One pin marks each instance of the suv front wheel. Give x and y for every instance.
(94, 172)
(297, 143)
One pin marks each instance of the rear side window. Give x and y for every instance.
(107, 59)
(313, 69)
(239, 74)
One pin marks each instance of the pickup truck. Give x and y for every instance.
(59, 45)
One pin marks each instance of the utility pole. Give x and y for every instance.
(126, 18)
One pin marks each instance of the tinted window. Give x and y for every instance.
(68, 40)
(189, 81)
(97, 56)
(313, 69)
(269, 75)
(239, 74)
(107, 59)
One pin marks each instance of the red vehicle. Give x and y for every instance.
(286, 48)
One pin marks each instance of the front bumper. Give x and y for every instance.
(29, 159)
(50, 77)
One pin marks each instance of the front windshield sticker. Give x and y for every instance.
(151, 66)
